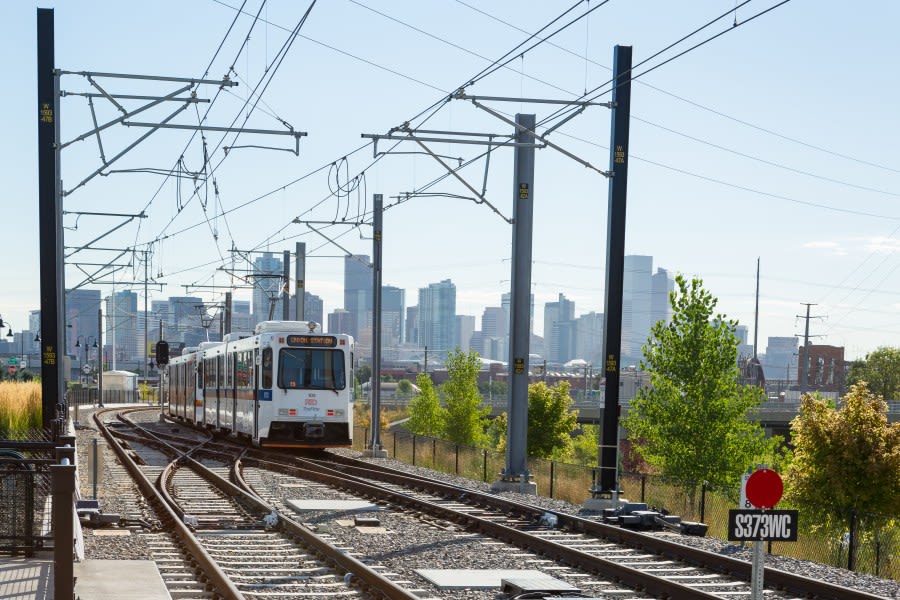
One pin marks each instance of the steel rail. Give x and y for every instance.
(368, 579)
(774, 578)
(224, 586)
(617, 572)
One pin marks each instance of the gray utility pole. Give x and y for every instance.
(515, 475)
(51, 192)
(524, 140)
(375, 448)
(804, 371)
(228, 310)
(300, 286)
(286, 286)
(53, 283)
(607, 490)
(100, 370)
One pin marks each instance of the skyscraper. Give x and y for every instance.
(338, 321)
(267, 285)
(82, 313)
(437, 317)
(506, 302)
(240, 316)
(558, 339)
(122, 327)
(661, 285)
(185, 323)
(393, 309)
(358, 282)
(313, 308)
(465, 328)
(412, 325)
(589, 338)
(781, 352)
(636, 294)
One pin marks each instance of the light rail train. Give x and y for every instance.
(284, 385)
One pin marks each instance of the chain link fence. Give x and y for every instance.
(877, 537)
(25, 521)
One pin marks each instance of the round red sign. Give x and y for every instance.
(764, 488)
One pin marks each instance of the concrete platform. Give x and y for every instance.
(118, 580)
(26, 578)
(32, 579)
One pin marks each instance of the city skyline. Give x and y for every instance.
(568, 334)
(741, 148)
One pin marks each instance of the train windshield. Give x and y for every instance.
(311, 368)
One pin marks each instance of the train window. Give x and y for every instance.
(199, 374)
(267, 368)
(242, 369)
(311, 369)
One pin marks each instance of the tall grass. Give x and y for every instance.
(20, 408)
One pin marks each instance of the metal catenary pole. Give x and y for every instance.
(53, 283)
(375, 386)
(516, 468)
(615, 269)
(300, 286)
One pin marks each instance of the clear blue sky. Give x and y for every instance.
(776, 140)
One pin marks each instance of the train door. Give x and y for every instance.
(209, 391)
(264, 412)
(220, 388)
(197, 377)
(255, 410)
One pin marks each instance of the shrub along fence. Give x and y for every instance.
(877, 550)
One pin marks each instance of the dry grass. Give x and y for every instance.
(20, 408)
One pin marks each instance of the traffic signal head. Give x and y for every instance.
(162, 353)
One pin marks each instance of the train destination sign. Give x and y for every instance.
(758, 525)
(327, 341)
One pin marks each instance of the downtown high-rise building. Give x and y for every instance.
(636, 302)
(589, 338)
(186, 324)
(662, 283)
(82, 317)
(358, 283)
(266, 277)
(559, 330)
(313, 308)
(122, 328)
(437, 318)
(241, 317)
(493, 342)
(411, 334)
(393, 309)
(781, 358)
(465, 330)
(339, 321)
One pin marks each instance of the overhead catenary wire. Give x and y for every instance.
(223, 210)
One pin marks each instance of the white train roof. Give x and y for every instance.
(288, 327)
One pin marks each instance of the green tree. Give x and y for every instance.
(465, 413)
(881, 371)
(550, 421)
(846, 461)
(692, 422)
(426, 415)
(404, 389)
(497, 430)
(363, 373)
(494, 390)
(586, 443)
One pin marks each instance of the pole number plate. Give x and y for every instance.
(769, 525)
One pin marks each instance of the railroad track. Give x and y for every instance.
(645, 562)
(243, 548)
(597, 558)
